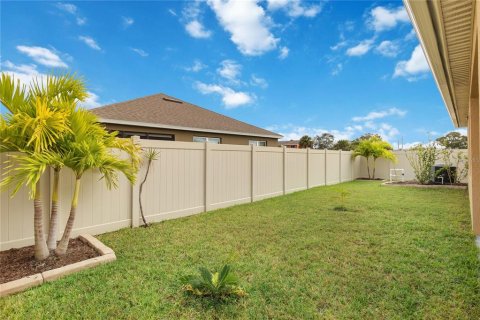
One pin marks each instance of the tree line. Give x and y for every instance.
(452, 140)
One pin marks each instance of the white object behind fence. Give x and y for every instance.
(397, 175)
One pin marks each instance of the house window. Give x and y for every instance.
(257, 143)
(147, 136)
(207, 139)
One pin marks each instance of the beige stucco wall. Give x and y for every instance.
(187, 136)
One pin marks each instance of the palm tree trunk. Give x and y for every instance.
(63, 243)
(52, 232)
(40, 248)
(140, 194)
(368, 168)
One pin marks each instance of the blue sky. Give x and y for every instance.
(294, 67)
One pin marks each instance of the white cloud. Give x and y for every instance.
(284, 52)
(388, 48)
(413, 68)
(294, 8)
(380, 114)
(339, 45)
(127, 21)
(294, 132)
(89, 41)
(247, 23)
(26, 73)
(43, 56)
(197, 30)
(258, 82)
(196, 67)
(140, 52)
(360, 49)
(191, 16)
(412, 35)
(230, 98)
(230, 70)
(73, 10)
(382, 18)
(93, 101)
(337, 69)
(23, 72)
(172, 12)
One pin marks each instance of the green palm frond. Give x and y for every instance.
(67, 87)
(218, 284)
(12, 93)
(26, 169)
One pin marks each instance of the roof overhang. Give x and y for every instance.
(162, 126)
(445, 30)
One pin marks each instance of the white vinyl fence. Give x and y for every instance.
(187, 178)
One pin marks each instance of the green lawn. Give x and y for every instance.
(399, 253)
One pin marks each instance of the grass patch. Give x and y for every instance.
(400, 253)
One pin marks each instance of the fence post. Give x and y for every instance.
(308, 168)
(325, 164)
(207, 176)
(135, 205)
(252, 187)
(284, 170)
(340, 166)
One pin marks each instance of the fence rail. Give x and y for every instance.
(187, 178)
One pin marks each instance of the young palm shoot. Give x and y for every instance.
(151, 155)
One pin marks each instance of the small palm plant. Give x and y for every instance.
(150, 155)
(219, 284)
(342, 197)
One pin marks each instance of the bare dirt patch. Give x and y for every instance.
(19, 263)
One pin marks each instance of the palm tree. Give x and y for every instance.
(374, 148)
(90, 146)
(37, 118)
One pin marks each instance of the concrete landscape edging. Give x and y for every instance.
(19, 285)
(424, 186)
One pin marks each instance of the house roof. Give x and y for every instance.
(163, 111)
(287, 143)
(445, 30)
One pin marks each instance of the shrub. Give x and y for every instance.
(219, 284)
(450, 159)
(422, 158)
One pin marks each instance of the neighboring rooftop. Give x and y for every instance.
(289, 143)
(163, 111)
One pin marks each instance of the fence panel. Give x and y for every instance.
(296, 170)
(346, 164)
(317, 168)
(333, 167)
(175, 185)
(228, 175)
(268, 172)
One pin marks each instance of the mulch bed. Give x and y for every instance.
(19, 263)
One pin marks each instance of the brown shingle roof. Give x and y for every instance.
(160, 110)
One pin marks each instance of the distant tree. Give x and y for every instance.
(365, 136)
(343, 145)
(305, 142)
(374, 148)
(453, 140)
(325, 141)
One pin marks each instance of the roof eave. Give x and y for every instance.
(423, 22)
(163, 126)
